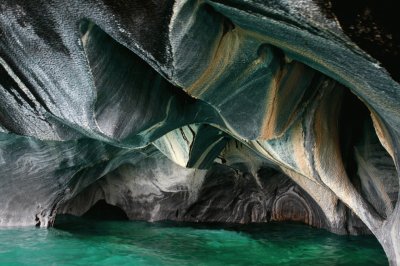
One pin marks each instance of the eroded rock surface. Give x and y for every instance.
(214, 111)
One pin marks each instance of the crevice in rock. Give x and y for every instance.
(37, 221)
(353, 117)
(369, 166)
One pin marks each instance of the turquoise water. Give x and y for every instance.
(77, 241)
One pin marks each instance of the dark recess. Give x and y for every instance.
(373, 26)
(353, 116)
(104, 211)
(356, 130)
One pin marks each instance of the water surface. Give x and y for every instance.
(78, 241)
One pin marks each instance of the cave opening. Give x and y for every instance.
(102, 210)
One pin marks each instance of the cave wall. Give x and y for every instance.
(158, 189)
(232, 111)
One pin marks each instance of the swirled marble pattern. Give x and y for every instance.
(217, 111)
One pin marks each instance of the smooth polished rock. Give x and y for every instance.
(232, 111)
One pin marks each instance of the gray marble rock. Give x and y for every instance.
(213, 111)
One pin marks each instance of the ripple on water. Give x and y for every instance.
(77, 241)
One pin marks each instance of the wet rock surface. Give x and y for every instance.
(228, 111)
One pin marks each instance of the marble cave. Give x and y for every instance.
(236, 111)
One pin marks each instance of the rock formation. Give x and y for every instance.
(213, 111)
